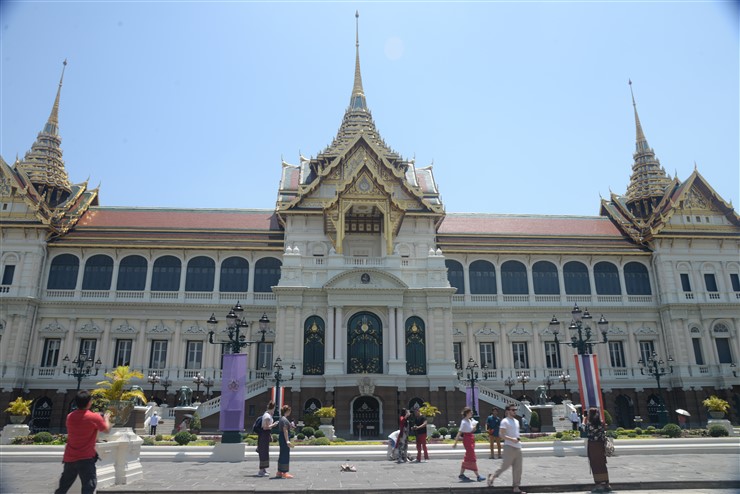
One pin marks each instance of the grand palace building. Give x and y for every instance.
(377, 294)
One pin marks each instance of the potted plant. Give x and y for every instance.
(717, 406)
(19, 409)
(534, 422)
(326, 414)
(114, 395)
(429, 411)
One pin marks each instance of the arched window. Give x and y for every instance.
(545, 278)
(311, 405)
(313, 346)
(199, 275)
(63, 272)
(514, 278)
(606, 278)
(414, 403)
(234, 275)
(266, 274)
(575, 278)
(455, 276)
(166, 274)
(636, 279)
(482, 277)
(132, 274)
(416, 355)
(98, 273)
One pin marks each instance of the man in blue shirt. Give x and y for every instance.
(492, 425)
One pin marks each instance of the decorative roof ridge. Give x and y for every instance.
(524, 215)
(164, 209)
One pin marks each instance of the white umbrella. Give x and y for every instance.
(683, 412)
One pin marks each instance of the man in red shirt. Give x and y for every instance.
(79, 453)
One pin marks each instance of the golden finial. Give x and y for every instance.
(54, 117)
(357, 101)
(357, 28)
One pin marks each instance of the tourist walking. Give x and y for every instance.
(264, 437)
(575, 420)
(284, 441)
(402, 443)
(79, 452)
(420, 428)
(596, 449)
(153, 423)
(492, 425)
(509, 430)
(466, 432)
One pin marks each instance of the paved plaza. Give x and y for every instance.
(716, 473)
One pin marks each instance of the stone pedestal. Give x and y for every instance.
(231, 452)
(724, 423)
(123, 451)
(13, 430)
(328, 431)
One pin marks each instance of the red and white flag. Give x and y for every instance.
(589, 383)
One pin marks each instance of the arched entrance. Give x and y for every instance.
(625, 412)
(365, 344)
(40, 415)
(366, 417)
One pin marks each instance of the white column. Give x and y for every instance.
(174, 357)
(114, 278)
(392, 351)
(470, 343)
(297, 353)
(329, 344)
(339, 340)
(138, 359)
(400, 347)
(104, 352)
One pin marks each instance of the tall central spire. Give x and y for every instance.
(357, 101)
(648, 181)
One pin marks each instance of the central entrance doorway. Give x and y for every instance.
(365, 344)
(366, 417)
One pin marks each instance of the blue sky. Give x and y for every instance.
(522, 107)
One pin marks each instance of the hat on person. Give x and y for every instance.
(155, 413)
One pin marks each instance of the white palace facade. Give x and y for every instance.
(375, 292)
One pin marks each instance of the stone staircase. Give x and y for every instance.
(497, 399)
(213, 406)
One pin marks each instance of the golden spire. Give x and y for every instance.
(648, 181)
(53, 123)
(357, 101)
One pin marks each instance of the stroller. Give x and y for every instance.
(392, 454)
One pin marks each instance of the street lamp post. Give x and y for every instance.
(509, 382)
(548, 382)
(198, 380)
(82, 367)
(523, 379)
(166, 383)
(580, 324)
(277, 374)
(655, 367)
(208, 384)
(564, 378)
(472, 376)
(234, 369)
(153, 379)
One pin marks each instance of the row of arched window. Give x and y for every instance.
(545, 278)
(166, 274)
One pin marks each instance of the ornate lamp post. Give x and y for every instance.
(655, 367)
(153, 379)
(564, 378)
(580, 324)
(509, 382)
(523, 379)
(234, 376)
(277, 374)
(82, 367)
(198, 380)
(471, 376)
(548, 382)
(208, 384)
(166, 383)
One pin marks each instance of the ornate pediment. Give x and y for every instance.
(90, 327)
(195, 329)
(646, 330)
(361, 279)
(53, 327)
(160, 329)
(125, 328)
(487, 332)
(519, 331)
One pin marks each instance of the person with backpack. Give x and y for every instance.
(264, 427)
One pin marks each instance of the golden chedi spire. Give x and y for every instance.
(43, 164)
(649, 180)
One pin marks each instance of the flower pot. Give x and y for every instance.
(17, 419)
(716, 415)
(325, 420)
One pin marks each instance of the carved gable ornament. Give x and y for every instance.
(159, 329)
(90, 327)
(487, 332)
(519, 331)
(364, 279)
(646, 330)
(366, 386)
(53, 327)
(195, 329)
(125, 328)
(457, 332)
(695, 200)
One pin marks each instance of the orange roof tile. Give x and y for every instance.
(492, 224)
(191, 219)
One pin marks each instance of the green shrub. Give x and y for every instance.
(158, 437)
(718, 431)
(339, 440)
(443, 431)
(435, 435)
(534, 420)
(321, 441)
(312, 421)
(650, 429)
(608, 417)
(301, 436)
(148, 441)
(250, 441)
(638, 431)
(43, 437)
(671, 430)
(195, 423)
(559, 435)
(632, 435)
(274, 438)
(620, 430)
(183, 437)
(453, 432)
(611, 434)
(318, 434)
(308, 431)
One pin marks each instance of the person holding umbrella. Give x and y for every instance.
(682, 414)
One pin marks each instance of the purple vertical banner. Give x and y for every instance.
(233, 392)
(471, 398)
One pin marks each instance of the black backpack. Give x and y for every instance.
(257, 427)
